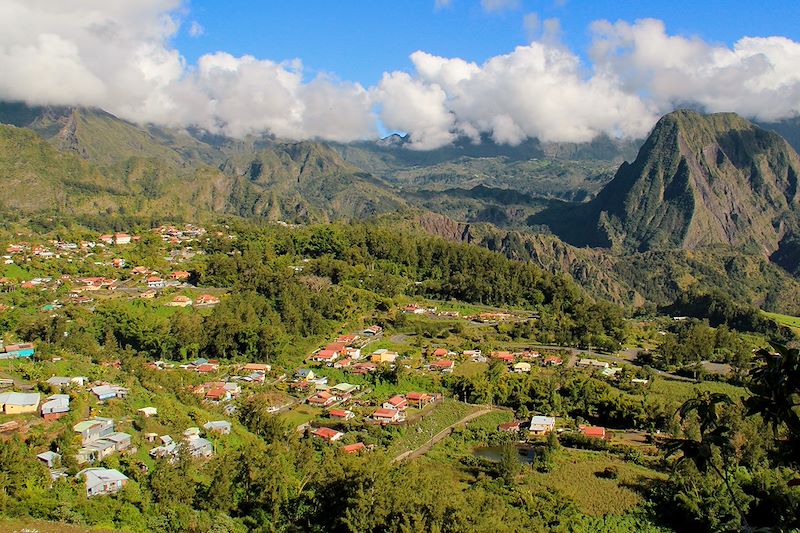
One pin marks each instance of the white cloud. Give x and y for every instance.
(196, 29)
(499, 5)
(531, 23)
(441, 4)
(758, 77)
(535, 91)
(118, 56)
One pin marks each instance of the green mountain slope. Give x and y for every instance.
(698, 180)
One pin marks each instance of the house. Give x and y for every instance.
(17, 351)
(149, 294)
(122, 238)
(55, 406)
(94, 429)
(510, 427)
(347, 340)
(218, 394)
(122, 441)
(207, 368)
(222, 427)
(108, 239)
(322, 399)
(372, 331)
(542, 425)
(336, 347)
(206, 300)
(364, 368)
(154, 282)
(506, 357)
(107, 392)
(354, 448)
(414, 309)
(444, 365)
(200, 447)
(325, 356)
(180, 301)
(100, 481)
(148, 411)
(346, 388)
(257, 367)
(342, 363)
(354, 353)
(386, 416)
(118, 262)
(305, 373)
(397, 402)
(341, 414)
(552, 360)
(96, 451)
(61, 381)
(419, 399)
(384, 356)
(440, 352)
(51, 459)
(522, 367)
(327, 434)
(595, 432)
(19, 403)
(180, 275)
(472, 353)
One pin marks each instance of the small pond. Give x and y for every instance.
(494, 453)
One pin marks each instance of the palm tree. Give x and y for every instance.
(713, 435)
(775, 388)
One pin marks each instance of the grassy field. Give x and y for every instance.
(446, 413)
(678, 391)
(575, 476)
(29, 525)
(785, 320)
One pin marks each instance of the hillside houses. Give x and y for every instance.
(17, 351)
(102, 481)
(99, 440)
(109, 392)
(19, 403)
(55, 406)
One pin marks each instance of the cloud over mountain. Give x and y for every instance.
(118, 56)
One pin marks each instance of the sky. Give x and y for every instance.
(559, 70)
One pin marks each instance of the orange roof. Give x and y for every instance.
(593, 431)
(385, 413)
(338, 413)
(440, 352)
(417, 396)
(325, 433)
(354, 448)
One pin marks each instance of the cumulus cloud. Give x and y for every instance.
(535, 91)
(118, 56)
(758, 77)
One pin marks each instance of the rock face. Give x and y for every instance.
(698, 180)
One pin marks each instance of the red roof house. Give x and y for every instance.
(327, 434)
(354, 448)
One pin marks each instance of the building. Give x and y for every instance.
(327, 434)
(522, 367)
(94, 429)
(147, 412)
(55, 406)
(322, 399)
(154, 282)
(180, 301)
(19, 403)
(199, 447)
(386, 416)
(372, 331)
(383, 356)
(341, 414)
(419, 399)
(100, 481)
(122, 238)
(397, 402)
(17, 351)
(206, 300)
(108, 392)
(354, 448)
(222, 427)
(510, 427)
(51, 459)
(594, 432)
(443, 365)
(542, 425)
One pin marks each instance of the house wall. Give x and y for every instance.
(10, 409)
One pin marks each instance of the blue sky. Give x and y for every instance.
(359, 41)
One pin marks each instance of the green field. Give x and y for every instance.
(785, 320)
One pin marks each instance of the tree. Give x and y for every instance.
(713, 436)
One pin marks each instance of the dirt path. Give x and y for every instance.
(422, 450)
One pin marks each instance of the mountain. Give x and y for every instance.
(152, 170)
(698, 180)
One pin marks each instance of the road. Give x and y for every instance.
(631, 353)
(422, 450)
